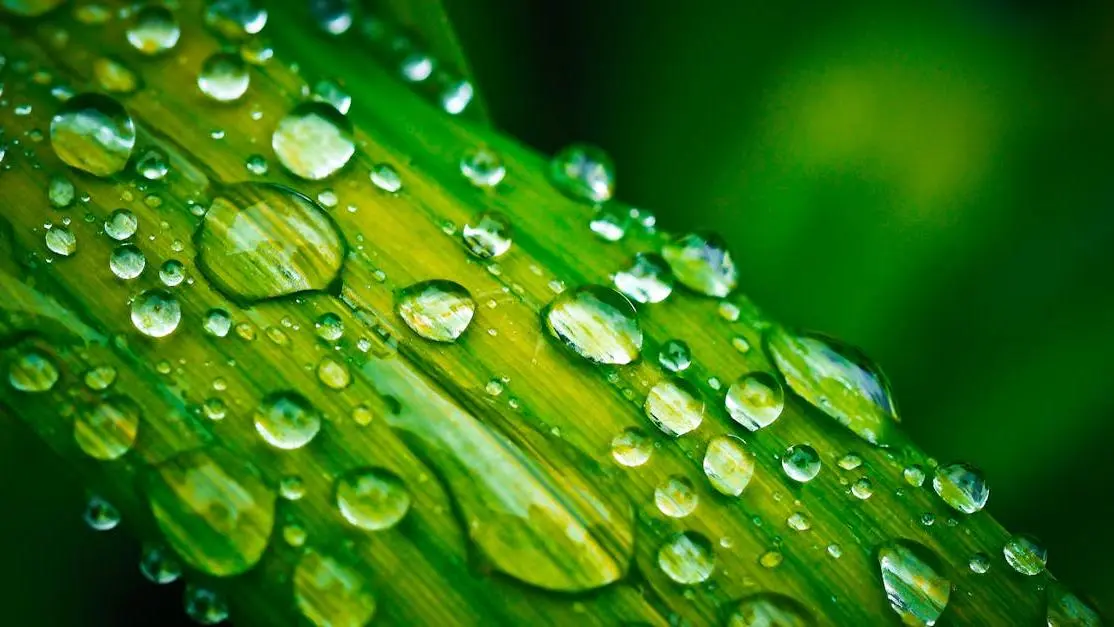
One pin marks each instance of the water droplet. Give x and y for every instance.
(333, 374)
(313, 141)
(214, 409)
(121, 224)
(204, 606)
(771, 559)
(583, 172)
(262, 241)
(675, 406)
(837, 379)
(331, 93)
(755, 401)
(674, 356)
(769, 609)
(488, 235)
(224, 77)
(801, 463)
(914, 475)
(687, 558)
(798, 522)
(631, 448)
(332, 16)
(156, 313)
(372, 498)
(610, 224)
(597, 323)
(292, 488)
(93, 133)
(916, 590)
(61, 241)
(728, 465)
(159, 566)
(456, 96)
(152, 165)
(331, 594)
(648, 279)
(172, 273)
(107, 431)
(1067, 610)
(154, 30)
(256, 164)
(1025, 554)
(437, 310)
(962, 487)
(417, 67)
(979, 563)
(294, 534)
(862, 488)
(483, 168)
(60, 192)
(217, 322)
(676, 497)
(114, 76)
(329, 327)
(213, 509)
(286, 420)
(385, 177)
(100, 378)
(850, 461)
(101, 515)
(32, 371)
(835, 551)
(235, 20)
(702, 263)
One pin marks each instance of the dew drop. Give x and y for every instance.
(331, 93)
(292, 488)
(172, 273)
(755, 401)
(61, 241)
(332, 16)
(687, 558)
(155, 30)
(1025, 554)
(850, 461)
(204, 606)
(676, 497)
(32, 371)
(107, 431)
(313, 141)
(583, 172)
(456, 96)
(217, 322)
(121, 224)
(100, 515)
(333, 374)
(100, 378)
(329, 327)
(674, 406)
(224, 77)
(962, 487)
(979, 563)
(702, 263)
(728, 465)
(153, 165)
(286, 420)
(914, 475)
(60, 192)
(488, 235)
(769, 609)
(372, 498)
(93, 133)
(385, 177)
(437, 310)
(610, 224)
(862, 488)
(483, 168)
(235, 20)
(631, 448)
(159, 565)
(647, 280)
(331, 594)
(156, 313)
(256, 164)
(597, 323)
(911, 576)
(801, 463)
(771, 559)
(674, 356)
(114, 76)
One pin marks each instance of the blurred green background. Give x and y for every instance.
(929, 181)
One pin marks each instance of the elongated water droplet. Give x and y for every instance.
(647, 280)
(755, 400)
(32, 371)
(631, 448)
(675, 406)
(728, 465)
(108, 430)
(437, 310)
(286, 420)
(1025, 554)
(159, 566)
(213, 509)
(155, 30)
(850, 461)
(235, 20)
(114, 76)
(583, 172)
(687, 558)
(801, 463)
(597, 323)
(610, 224)
(93, 133)
(837, 379)
(156, 313)
(385, 177)
(331, 594)
(1067, 610)
(204, 606)
(702, 263)
(676, 497)
(313, 141)
(911, 576)
(769, 609)
(261, 241)
(488, 235)
(962, 487)
(224, 77)
(483, 168)
(674, 356)
(101, 515)
(372, 498)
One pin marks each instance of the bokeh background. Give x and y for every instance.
(930, 181)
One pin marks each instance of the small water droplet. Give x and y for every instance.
(631, 448)
(771, 559)
(224, 77)
(100, 378)
(256, 164)
(488, 235)
(372, 498)
(94, 133)
(850, 461)
(152, 165)
(962, 487)
(204, 606)
(979, 563)
(676, 497)
(332, 16)
(416, 67)
(674, 356)
(114, 76)
(214, 409)
(914, 475)
(483, 168)
(610, 223)
(156, 313)
(597, 323)
(101, 515)
(674, 406)
(801, 463)
(755, 401)
(331, 594)
(32, 371)
(154, 30)
(159, 566)
(60, 192)
(728, 465)
(797, 521)
(456, 96)
(862, 488)
(313, 141)
(647, 280)
(286, 420)
(292, 488)
(835, 551)
(702, 263)
(1025, 554)
(769, 609)
(437, 310)
(330, 92)
(687, 558)
(911, 576)
(333, 374)
(121, 224)
(583, 172)
(385, 177)
(217, 322)
(108, 430)
(235, 20)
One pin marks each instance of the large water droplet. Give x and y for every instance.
(32, 371)
(372, 498)
(584, 173)
(93, 133)
(108, 430)
(154, 31)
(769, 609)
(755, 400)
(676, 497)
(156, 313)
(801, 463)
(687, 558)
(1067, 610)
(313, 141)
(263, 241)
(488, 235)
(224, 77)
(728, 465)
(214, 510)
(286, 420)
(837, 379)
(1025, 554)
(962, 487)
(914, 586)
(647, 280)
(121, 224)
(437, 310)
(596, 323)
(331, 594)
(204, 606)
(235, 19)
(701, 262)
(675, 406)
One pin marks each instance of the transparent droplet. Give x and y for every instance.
(979, 563)
(332, 16)
(121, 224)
(416, 67)
(647, 280)
(217, 322)
(437, 310)
(224, 77)
(769, 609)
(596, 323)
(32, 371)
(60, 192)
(728, 465)
(835, 551)
(385, 177)
(286, 420)
(702, 263)
(101, 515)
(801, 463)
(798, 522)
(488, 235)
(204, 606)
(214, 409)
(114, 76)
(235, 20)
(863, 488)
(583, 172)
(61, 241)
(334, 374)
(674, 406)
(331, 594)
(1025, 554)
(836, 379)
(261, 241)
(372, 498)
(100, 378)
(108, 430)
(674, 356)
(631, 448)
(156, 313)
(1067, 610)
(256, 164)
(916, 590)
(610, 224)
(483, 168)
(687, 558)
(152, 165)
(914, 475)
(962, 487)
(154, 30)
(159, 565)
(294, 534)
(213, 509)
(330, 92)
(292, 488)
(456, 96)
(676, 497)
(313, 141)
(755, 401)
(93, 133)
(771, 559)
(172, 273)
